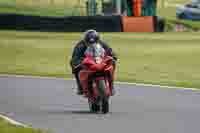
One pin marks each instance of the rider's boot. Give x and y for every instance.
(79, 87)
(110, 78)
(113, 91)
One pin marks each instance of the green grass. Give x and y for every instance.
(168, 9)
(41, 8)
(191, 25)
(41, 11)
(165, 59)
(5, 127)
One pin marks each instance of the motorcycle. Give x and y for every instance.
(94, 78)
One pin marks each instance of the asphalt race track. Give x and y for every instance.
(52, 104)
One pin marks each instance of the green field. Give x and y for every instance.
(165, 59)
(5, 127)
(44, 7)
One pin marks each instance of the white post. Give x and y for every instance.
(118, 6)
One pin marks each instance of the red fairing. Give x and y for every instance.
(90, 68)
(88, 61)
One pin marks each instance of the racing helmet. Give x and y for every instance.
(91, 37)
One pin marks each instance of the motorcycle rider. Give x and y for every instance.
(90, 37)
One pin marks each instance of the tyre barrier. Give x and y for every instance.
(138, 24)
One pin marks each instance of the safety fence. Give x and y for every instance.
(80, 23)
(61, 24)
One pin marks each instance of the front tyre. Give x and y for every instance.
(104, 98)
(94, 107)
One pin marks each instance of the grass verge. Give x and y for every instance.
(6, 127)
(190, 25)
(164, 59)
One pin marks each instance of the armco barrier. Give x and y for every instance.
(61, 24)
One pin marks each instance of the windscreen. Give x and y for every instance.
(95, 50)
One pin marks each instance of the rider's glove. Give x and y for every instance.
(77, 68)
(115, 59)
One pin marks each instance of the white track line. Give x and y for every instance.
(160, 86)
(117, 82)
(11, 121)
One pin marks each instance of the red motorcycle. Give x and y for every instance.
(94, 77)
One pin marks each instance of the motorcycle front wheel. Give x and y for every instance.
(104, 98)
(94, 107)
